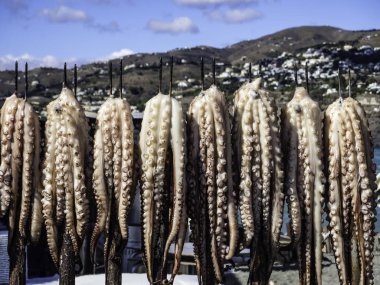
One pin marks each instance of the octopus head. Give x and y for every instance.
(58, 108)
(7, 180)
(298, 109)
(253, 94)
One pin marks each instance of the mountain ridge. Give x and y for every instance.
(141, 69)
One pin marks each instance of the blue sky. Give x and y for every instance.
(48, 32)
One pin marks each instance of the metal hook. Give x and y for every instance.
(64, 75)
(250, 72)
(26, 80)
(160, 76)
(121, 77)
(202, 74)
(307, 77)
(349, 82)
(75, 80)
(296, 75)
(339, 84)
(213, 71)
(260, 68)
(110, 75)
(171, 76)
(16, 77)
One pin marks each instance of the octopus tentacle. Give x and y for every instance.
(270, 134)
(266, 159)
(27, 168)
(177, 143)
(346, 193)
(16, 167)
(179, 244)
(305, 182)
(59, 157)
(231, 195)
(356, 202)
(290, 136)
(99, 186)
(196, 216)
(221, 178)
(148, 157)
(49, 189)
(352, 181)
(116, 142)
(36, 220)
(163, 151)
(277, 194)
(366, 188)
(127, 168)
(204, 219)
(211, 191)
(303, 253)
(335, 209)
(68, 184)
(257, 174)
(108, 164)
(8, 118)
(246, 179)
(79, 186)
(317, 183)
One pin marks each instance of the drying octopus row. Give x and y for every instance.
(261, 180)
(218, 170)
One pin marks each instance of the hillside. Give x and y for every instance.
(324, 48)
(295, 39)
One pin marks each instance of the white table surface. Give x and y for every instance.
(127, 278)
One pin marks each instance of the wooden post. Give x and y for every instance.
(16, 250)
(114, 247)
(67, 261)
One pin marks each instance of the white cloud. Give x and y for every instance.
(178, 25)
(63, 14)
(235, 16)
(205, 3)
(8, 61)
(117, 54)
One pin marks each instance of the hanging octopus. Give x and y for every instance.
(304, 182)
(113, 176)
(351, 193)
(163, 185)
(212, 201)
(257, 148)
(20, 191)
(65, 175)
